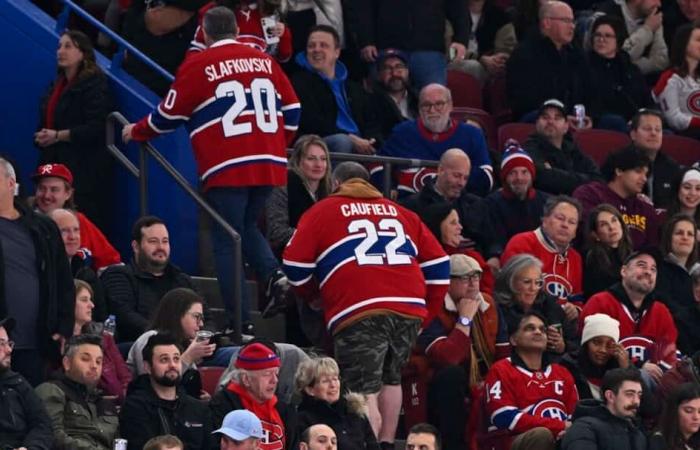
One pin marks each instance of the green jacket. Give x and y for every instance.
(80, 418)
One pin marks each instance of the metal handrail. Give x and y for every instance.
(123, 45)
(141, 173)
(386, 161)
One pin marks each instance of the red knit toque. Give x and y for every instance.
(257, 356)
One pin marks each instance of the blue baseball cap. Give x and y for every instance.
(240, 425)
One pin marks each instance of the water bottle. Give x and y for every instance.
(110, 325)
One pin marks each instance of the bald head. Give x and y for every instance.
(69, 226)
(318, 437)
(453, 173)
(557, 22)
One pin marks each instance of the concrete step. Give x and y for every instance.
(273, 329)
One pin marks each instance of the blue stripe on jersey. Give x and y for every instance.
(437, 272)
(296, 272)
(504, 418)
(291, 115)
(164, 124)
(216, 109)
(341, 253)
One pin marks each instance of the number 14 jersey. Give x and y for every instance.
(367, 255)
(240, 111)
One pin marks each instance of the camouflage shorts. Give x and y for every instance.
(372, 351)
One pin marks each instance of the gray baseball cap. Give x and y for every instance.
(240, 425)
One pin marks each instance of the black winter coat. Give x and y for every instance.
(57, 294)
(387, 113)
(407, 24)
(351, 426)
(144, 415)
(595, 428)
(320, 111)
(133, 294)
(472, 211)
(620, 86)
(569, 166)
(23, 418)
(674, 287)
(664, 170)
(82, 109)
(537, 71)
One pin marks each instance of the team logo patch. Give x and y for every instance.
(637, 347)
(549, 408)
(694, 102)
(557, 286)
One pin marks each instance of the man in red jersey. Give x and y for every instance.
(527, 395)
(380, 272)
(241, 113)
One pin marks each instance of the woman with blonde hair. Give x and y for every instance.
(318, 382)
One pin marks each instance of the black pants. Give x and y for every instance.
(447, 409)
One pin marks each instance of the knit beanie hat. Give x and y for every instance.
(514, 156)
(257, 356)
(600, 325)
(433, 215)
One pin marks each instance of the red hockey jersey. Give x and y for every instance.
(652, 337)
(91, 239)
(562, 272)
(250, 32)
(367, 254)
(519, 400)
(241, 113)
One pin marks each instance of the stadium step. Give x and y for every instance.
(273, 329)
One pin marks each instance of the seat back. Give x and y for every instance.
(210, 378)
(684, 150)
(598, 144)
(466, 90)
(484, 119)
(516, 130)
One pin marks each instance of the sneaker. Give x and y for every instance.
(276, 294)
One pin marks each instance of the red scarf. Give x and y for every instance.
(58, 89)
(273, 427)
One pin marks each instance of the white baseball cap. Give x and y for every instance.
(240, 425)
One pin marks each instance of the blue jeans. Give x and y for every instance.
(427, 67)
(241, 207)
(338, 143)
(221, 357)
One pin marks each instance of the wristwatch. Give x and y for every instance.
(464, 321)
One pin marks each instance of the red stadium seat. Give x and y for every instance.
(210, 378)
(483, 118)
(599, 143)
(466, 90)
(684, 150)
(515, 130)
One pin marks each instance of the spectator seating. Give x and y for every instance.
(496, 100)
(210, 378)
(485, 119)
(599, 143)
(466, 90)
(516, 130)
(685, 150)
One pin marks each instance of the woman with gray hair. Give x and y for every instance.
(518, 290)
(318, 382)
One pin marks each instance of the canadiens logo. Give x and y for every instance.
(557, 286)
(550, 408)
(694, 102)
(273, 436)
(421, 176)
(636, 347)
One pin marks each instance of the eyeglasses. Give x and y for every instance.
(439, 106)
(603, 36)
(394, 68)
(566, 20)
(8, 344)
(474, 276)
(199, 317)
(539, 282)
